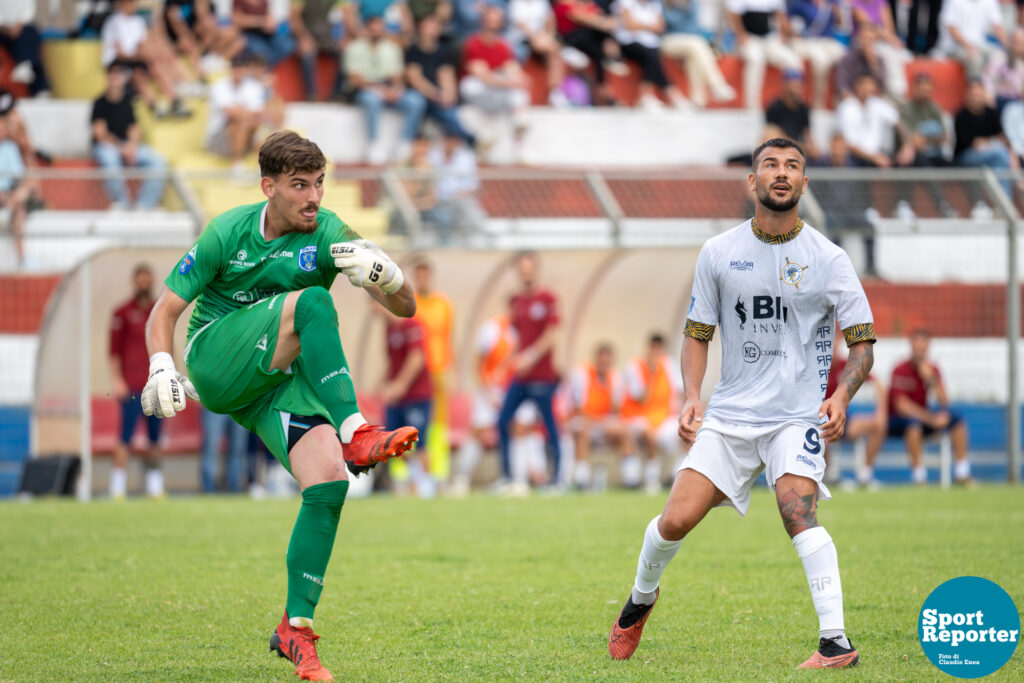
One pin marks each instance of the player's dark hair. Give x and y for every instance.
(867, 76)
(528, 254)
(656, 338)
(428, 15)
(604, 347)
(778, 143)
(921, 332)
(288, 152)
(141, 268)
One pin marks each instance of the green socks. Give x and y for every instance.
(316, 323)
(310, 547)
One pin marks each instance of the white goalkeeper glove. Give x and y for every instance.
(166, 388)
(366, 265)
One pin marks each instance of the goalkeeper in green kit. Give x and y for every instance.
(263, 347)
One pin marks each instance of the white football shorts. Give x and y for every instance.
(732, 457)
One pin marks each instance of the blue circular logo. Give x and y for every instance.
(968, 627)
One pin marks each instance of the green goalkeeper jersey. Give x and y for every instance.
(231, 265)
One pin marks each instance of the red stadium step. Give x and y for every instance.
(77, 194)
(23, 301)
(946, 310)
(544, 198)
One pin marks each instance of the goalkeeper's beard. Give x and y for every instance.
(304, 224)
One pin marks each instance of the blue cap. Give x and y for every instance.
(792, 75)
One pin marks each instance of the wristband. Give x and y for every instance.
(162, 358)
(395, 283)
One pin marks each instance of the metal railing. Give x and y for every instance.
(967, 216)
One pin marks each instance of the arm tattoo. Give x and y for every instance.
(858, 366)
(799, 513)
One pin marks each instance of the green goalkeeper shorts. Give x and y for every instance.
(228, 361)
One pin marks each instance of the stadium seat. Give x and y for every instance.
(625, 88)
(948, 77)
(74, 68)
(6, 65)
(174, 139)
(288, 78)
(853, 460)
(181, 435)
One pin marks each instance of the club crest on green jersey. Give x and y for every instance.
(307, 258)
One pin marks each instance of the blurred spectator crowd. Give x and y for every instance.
(423, 58)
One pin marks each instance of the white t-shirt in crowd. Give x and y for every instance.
(533, 14)
(646, 12)
(744, 6)
(17, 12)
(775, 306)
(973, 20)
(248, 93)
(121, 32)
(456, 175)
(867, 126)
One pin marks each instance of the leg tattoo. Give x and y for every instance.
(799, 513)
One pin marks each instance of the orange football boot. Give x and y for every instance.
(831, 655)
(623, 639)
(298, 646)
(372, 444)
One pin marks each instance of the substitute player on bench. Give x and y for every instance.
(776, 288)
(263, 346)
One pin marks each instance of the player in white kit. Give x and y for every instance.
(775, 287)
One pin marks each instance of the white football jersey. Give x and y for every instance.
(776, 300)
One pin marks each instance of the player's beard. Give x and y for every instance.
(776, 205)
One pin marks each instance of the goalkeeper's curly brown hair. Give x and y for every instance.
(288, 152)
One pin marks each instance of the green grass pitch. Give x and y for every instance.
(482, 588)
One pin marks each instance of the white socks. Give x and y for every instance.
(652, 475)
(154, 480)
(582, 474)
(468, 457)
(821, 564)
(519, 450)
(919, 475)
(353, 422)
(962, 469)
(866, 476)
(154, 483)
(300, 622)
(118, 482)
(425, 485)
(654, 557)
(631, 468)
